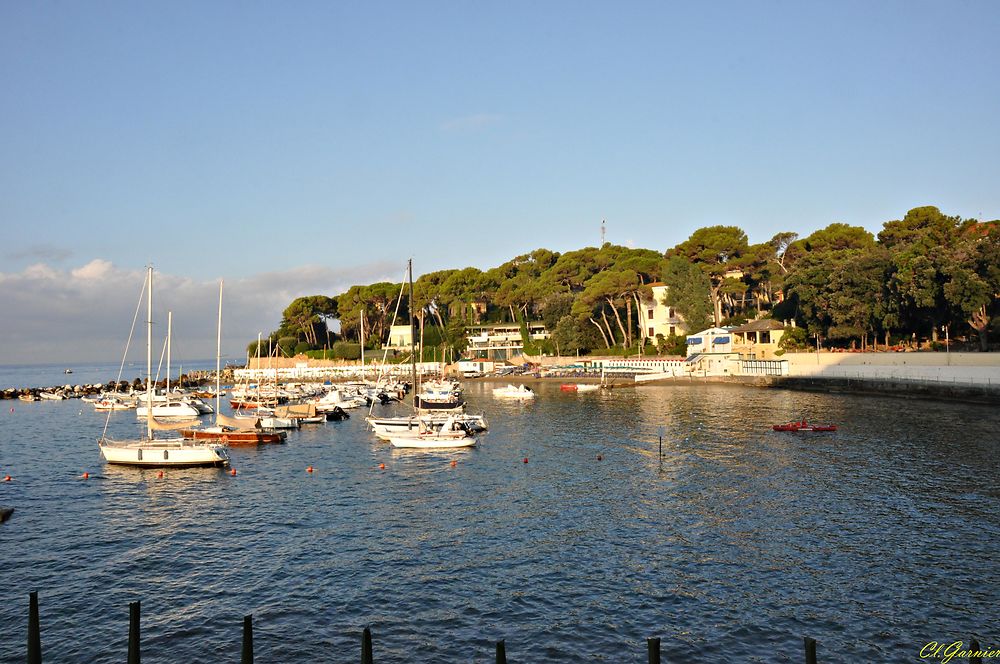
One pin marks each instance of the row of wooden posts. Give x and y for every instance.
(246, 653)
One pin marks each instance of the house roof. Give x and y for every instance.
(762, 325)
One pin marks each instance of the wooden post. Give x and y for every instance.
(133, 631)
(246, 654)
(810, 650)
(366, 647)
(653, 647)
(34, 631)
(501, 652)
(974, 647)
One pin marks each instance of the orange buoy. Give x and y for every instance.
(454, 463)
(232, 472)
(309, 469)
(85, 475)
(381, 466)
(160, 474)
(6, 478)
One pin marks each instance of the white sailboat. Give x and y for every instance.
(151, 452)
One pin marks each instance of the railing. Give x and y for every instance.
(653, 644)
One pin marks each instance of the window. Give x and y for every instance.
(673, 330)
(670, 312)
(652, 332)
(649, 314)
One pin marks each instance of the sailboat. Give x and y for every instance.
(424, 437)
(148, 451)
(226, 429)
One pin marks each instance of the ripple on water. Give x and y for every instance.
(733, 545)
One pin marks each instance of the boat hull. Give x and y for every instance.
(236, 437)
(164, 454)
(431, 442)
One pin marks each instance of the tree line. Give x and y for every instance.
(920, 276)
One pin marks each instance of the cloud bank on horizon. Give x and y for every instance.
(84, 313)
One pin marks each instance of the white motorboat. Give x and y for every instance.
(510, 392)
(385, 427)
(148, 451)
(52, 396)
(450, 434)
(169, 410)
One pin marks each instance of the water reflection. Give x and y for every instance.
(732, 545)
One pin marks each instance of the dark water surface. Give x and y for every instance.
(873, 540)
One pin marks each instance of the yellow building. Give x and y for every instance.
(656, 317)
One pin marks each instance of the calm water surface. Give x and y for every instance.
(874, 540)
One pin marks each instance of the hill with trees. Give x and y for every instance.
(921, 275)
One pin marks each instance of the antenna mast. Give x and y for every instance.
(603, 231)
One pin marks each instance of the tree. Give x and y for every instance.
(687, 292)
(567, 335)
(716, 251)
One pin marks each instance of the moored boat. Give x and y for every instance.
(803, 425)
(510, 392)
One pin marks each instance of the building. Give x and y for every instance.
(400, 337)
(655, 317)
(712, 340)
(500, 342)
(758, 340)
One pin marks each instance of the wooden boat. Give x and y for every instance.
(235, 437)
(803, 425)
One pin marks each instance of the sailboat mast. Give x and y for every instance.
(413, 357)
(149, 354)
(170, 319)
(362, 345)
(218, 356)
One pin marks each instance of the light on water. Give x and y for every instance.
(731, 546)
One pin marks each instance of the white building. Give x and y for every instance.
(501, 342)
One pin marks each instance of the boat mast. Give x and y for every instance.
(149, 354)
(218, 354)
(170, 318)
(413, 357)
(362, 345)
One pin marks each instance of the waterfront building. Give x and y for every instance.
(501, 342)
(759, 339)
(658, 318)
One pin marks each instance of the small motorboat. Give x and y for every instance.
(510, 392)
(803, 425)
(579, 387)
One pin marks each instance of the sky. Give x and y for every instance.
(297, 149)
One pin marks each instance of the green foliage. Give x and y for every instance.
(346, 350)
(286, 346)
(688, 292)
(672, 344)
(302, 347)
(924, 273)
(794, 338)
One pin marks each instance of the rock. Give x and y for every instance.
(5, 513)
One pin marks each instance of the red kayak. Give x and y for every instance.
(568, 387)
(802, 425)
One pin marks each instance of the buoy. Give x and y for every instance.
(85, 475)
(6, 478)
(309, 469)
(454, 463)
(600, 458)
(526, 459)
(160, 474)
(12, 409)
(232, 472)
(381, 466)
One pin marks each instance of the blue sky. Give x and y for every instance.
(300, 148)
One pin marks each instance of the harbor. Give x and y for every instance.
(579, 526)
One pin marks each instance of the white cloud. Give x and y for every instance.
(84, 313)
